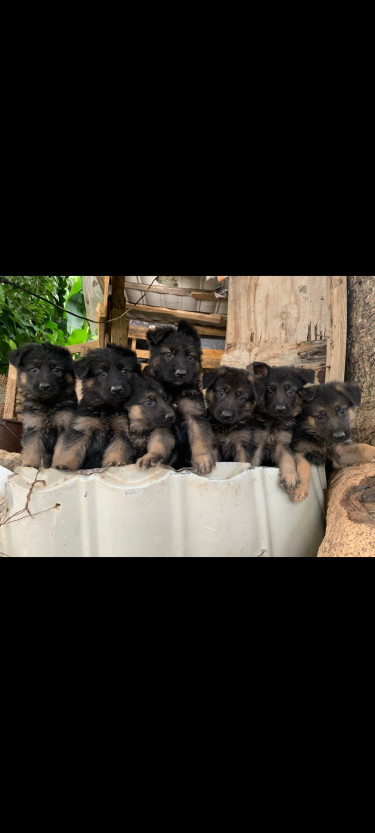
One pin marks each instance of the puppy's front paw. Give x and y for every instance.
(300, 494)
(32, 462)
(289, 482)
(204, 464)
(149, 461)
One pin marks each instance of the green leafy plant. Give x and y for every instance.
(25, 319)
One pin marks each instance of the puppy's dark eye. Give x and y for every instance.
(56, 370)
(320, 416)
(34, 370)
(342, 411)
(150, 403)
(221, 394)
(269, 390)
(191, 359)
(168, 355)
(291, 392)
(103, 374)
(124, 371)
(242, 398)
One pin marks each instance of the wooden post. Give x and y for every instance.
(119, 330)
(337, 289)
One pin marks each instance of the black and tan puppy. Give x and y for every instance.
(176, 362)
(275, 417)
(323, 432)
(231, 399)
(47, 381)
(151, 420)
(98, 434)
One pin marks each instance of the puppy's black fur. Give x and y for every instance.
(151, 419)
(47, 381)
(176, 362)
(98, 434)
(231, 399)
(278, 389)
(323, 431)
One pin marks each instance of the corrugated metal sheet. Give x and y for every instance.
(236, 512)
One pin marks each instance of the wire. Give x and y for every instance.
(82, 317)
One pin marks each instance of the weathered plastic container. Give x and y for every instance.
(4, 474)
(235, 512)
(177, 302)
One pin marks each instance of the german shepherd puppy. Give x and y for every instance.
(176, 362)
(151, 420)
(98, 434)
(323, 432)
(231, 399)
(47, 381)
(278, 389)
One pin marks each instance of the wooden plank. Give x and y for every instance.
(199, 295)
(10, 395)
(101, 317)
(337, 289)
(161, 314)
(210, 332)
(159, 289)
(269, 313)
(83, 349)
(107, 291)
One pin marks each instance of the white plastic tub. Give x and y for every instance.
(4, 474)
(235, 512)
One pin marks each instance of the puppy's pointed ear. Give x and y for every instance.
(352, 392)
(17, 357)
(158, 335)
(260, 370)
(82, 367)
(307, 376)
(308, 394)
(211, 376)
(148, 372)
(187, 329)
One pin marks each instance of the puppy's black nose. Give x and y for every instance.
(117, 390)
(280, 409)
(226, 415)
(339, 435)
(44, 386)
(180, 374)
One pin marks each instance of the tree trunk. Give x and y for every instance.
(351, 495)
(361, 351)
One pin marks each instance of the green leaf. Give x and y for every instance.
(77, 337)
(76, 288)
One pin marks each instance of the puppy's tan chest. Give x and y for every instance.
(42, 422)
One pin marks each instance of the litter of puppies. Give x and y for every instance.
(260, 415)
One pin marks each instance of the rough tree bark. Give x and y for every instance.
(351, 496)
